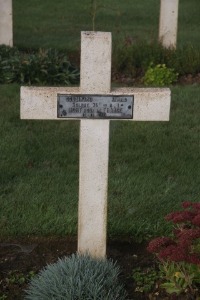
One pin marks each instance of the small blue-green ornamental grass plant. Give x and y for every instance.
(179, 255)
(77, 278)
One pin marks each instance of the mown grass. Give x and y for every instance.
(58, 24)
(153, 167)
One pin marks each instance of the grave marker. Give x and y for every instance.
(94, 103)
(6, 23)
(168, 23)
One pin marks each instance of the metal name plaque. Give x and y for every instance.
(95, 106)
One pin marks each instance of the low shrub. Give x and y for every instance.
(159, 75)
(179, 255)
(9, 64)
(146, 279)
(48, 67)
(77, 277)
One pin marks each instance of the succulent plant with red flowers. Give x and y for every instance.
(179, 255)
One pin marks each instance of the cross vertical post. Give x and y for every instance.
(94, 146)
(94, 103)
(168, 24)
(6, 23)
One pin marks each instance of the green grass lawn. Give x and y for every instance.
(153, 167)
(58, 23)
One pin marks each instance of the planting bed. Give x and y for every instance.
(20, 259)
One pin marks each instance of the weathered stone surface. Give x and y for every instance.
(41, 103)
(168, 25)
(95, 62)
(150, 104)
(6, 23)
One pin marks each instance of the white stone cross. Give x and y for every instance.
(41, 103)
(6, 23)
(168, 24)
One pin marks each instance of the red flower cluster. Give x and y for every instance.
(157, 244)
(192, 205)
(193, 259)
(173, 253)
(185, 237)
(189, 234)
(187, 204)
(196, 220)
(196, 206)
(180, 216)
(189, 215)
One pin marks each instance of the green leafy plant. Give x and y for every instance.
(3, 297)
(9, 63)
(145, 279)
(77, 277)
(179, 277)
(159, 75)
(179, 255)
(48, 67)
(14, 277)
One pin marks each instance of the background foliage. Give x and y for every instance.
(49, 67)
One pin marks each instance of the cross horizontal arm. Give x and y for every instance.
(150, 104)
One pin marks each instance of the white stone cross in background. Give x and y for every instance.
(6, 23)
(95, 103)
(168, 24)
